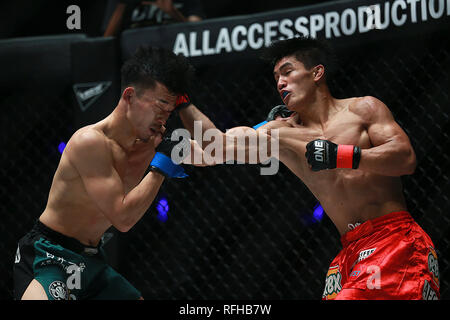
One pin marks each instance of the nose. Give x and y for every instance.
(162, 115)
(281, 83)
(161, 120)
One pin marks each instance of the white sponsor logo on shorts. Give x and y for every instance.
(428, 293)
(433, 265)
(17, 259)
(332, 283)
(365, 254)
(58, 290)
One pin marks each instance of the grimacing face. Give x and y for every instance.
(149, 110)
(294, 82)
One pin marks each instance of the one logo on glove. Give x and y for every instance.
(319, 150)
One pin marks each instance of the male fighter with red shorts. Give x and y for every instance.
(350, 153)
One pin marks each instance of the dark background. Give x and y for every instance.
(231, 233)
(24, 18)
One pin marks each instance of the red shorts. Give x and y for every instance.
(389, 257)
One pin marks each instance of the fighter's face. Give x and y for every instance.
(149, 111)
(294, 81)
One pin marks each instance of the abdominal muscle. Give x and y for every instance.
(70, 210)
(347, 196)
(350, 197)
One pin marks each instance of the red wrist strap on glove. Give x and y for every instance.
(182, 101)
(344, 158)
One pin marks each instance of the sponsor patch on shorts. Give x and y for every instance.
(355, 273)
(332, 283)
(58, 290)
(428, 293)
(433, 266)
(365, 254)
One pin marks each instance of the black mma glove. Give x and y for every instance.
(182, 102)
(280, 110)
(324, 154)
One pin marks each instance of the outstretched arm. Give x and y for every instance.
(192, 119)
(241, 144)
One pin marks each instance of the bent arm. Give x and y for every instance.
(392, 153)
(94, 162)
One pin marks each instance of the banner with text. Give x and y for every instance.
(341, 20)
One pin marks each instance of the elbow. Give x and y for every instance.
(125, 224)
(412, 166)
(121, 222)
(123, 227)
(410, 163)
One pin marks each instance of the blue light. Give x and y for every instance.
(61, 147)
(163, 208)
(318, 212)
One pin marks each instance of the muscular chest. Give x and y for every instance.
(342, 130)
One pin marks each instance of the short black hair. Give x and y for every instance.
(309, 51)
(149, 65)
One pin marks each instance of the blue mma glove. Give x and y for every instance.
(162, 161)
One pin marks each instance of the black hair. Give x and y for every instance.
(149, 65)
(309, 51)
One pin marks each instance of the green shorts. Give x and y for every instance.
(67, 269)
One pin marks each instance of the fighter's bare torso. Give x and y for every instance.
(70, 209)
(348, 196)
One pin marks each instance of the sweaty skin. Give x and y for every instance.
(348, 196)
(100, 179)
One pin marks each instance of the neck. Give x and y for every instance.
(318, 108)
(119, 128)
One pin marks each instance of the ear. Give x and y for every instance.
(318, 72)
(128, 94)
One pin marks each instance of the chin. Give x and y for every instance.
(295, 106)
(292, 107)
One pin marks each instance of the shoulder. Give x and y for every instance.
(369, 108)
(87, 142)
(88, 137)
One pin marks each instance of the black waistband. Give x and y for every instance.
(63, 240)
